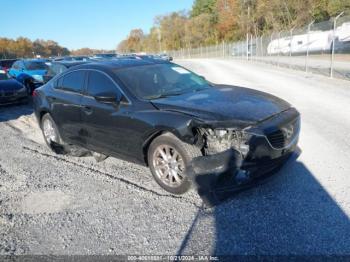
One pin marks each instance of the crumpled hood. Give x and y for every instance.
(225, 103)
(10, 85)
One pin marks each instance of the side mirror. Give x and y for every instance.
(107, 99)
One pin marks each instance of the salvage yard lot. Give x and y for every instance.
(54, 204)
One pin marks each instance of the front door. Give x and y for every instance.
(104, 124)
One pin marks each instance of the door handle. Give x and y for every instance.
(87, 110)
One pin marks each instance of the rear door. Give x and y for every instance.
(66, 102)
(104, 125)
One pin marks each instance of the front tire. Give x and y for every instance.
(168, 158)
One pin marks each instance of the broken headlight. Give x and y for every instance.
(219, 140)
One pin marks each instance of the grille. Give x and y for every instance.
(276, 139)
(284, 136)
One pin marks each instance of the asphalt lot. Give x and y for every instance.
(54, 204)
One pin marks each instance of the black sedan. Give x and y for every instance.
(162, 115)
(11, 91)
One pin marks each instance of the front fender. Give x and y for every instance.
(182, 126)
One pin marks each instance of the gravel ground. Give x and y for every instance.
(53, 204)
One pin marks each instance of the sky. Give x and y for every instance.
(74, 24)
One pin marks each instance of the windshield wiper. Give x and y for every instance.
(164, 95)
(184, 91)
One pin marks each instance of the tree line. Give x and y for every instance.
(213, 21)
(24, 47)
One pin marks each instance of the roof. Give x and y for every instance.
(119, 63)
(34, 60)
(69, 63)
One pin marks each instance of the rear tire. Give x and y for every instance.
(168, 158)
(51, 135)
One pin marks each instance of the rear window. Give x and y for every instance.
(35, 65)
(56, 69)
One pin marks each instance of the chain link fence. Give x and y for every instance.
(322, 48)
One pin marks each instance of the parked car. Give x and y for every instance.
(166, 117)
(11, 91)
(165, 57)
(5, 64)
(103, 56)
(59, 67)
(29, 72)
(71, 58)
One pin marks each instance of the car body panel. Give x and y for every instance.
(11, 91)
(236, 103)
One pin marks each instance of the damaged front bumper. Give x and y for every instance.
(217, 175)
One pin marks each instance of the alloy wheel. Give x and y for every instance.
(168, 165)
(49, 131)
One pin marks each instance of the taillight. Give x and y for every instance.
(35, 93)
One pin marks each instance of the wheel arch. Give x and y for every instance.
(42, 112)
(157, 133)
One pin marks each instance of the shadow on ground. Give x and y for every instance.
(292, 214)
(12, 112)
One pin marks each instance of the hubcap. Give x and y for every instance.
(49, 131)
(169, 165)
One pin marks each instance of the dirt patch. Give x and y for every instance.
(46, 202)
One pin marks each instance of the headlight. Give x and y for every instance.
(38, 78)
(219, 140)
(220, 132)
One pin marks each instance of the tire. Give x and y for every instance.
(52, 137)
(163, 170)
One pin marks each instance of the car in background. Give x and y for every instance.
(164, 116)
(11, 91)
(58, 67)
(6, 64)
(103, 56)
(72, 58)
(165, 57)
(30, 72)
(150, 58)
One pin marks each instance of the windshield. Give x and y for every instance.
(160, 80)
(3, 75)
(35, 65)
